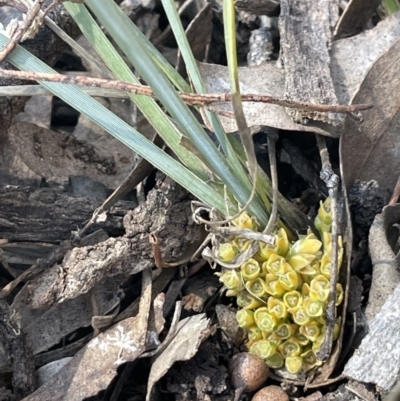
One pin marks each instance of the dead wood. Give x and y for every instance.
(377, 360)
(305, 28)
(166, 214)
(385, 275)
(12, 341)
(50, 214)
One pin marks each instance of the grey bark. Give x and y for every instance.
(377, 360)
(305, 29)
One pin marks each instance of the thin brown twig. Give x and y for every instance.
(14, 4)
(332, 183)
(190, 98)
(23, 26)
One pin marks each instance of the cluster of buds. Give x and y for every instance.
(282, 293)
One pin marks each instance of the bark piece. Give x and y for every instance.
(377, 360)
(305, 40)
(45, 328)
(259, 7)
(166, 213)
(385, 274)
(50, 214)
(16, 351)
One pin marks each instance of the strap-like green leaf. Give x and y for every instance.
(106, 119)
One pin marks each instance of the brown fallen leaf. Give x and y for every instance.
(94, 366)
(370, 149)
(190, 334)
(351, 58)
(57, 156)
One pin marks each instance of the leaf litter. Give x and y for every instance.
(95, 365)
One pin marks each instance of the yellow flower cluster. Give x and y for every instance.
(282, 293)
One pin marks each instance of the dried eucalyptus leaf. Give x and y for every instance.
(190, 334)
(266, 79)
(351, 58)
(370, 148)
(355, 17)
(94, 366)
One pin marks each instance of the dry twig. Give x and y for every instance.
(22, 28)
(202, 100)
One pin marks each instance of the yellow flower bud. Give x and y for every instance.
(247, 301)
(313, 308)
(302, 340)
(324, 211)
(305, 245)
(300, 262)
(282, 242)
(310, 359)
(242, 243)
(245, 318)
(273, 286)
(232, 280)
(293, 364)
(250, 270)
(255, 333)
(285, 330)
(320, 226)
(264, 320)
(339, 294)
(310, 330)
(257, 288)
(245, 221)
(266, 250)
(277, 308)
(292, 299)
(299, 316)
(319, 288)
(290, 348)
(262, 348)
(275, 361)
(227, 252)
(290, 280)
(275, 265)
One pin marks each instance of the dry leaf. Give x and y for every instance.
(266, 79)
(351, 58)
(355, 17)
(45, 328)
(57, 156)
(190, 334)
(94, 366)
(371, 148)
